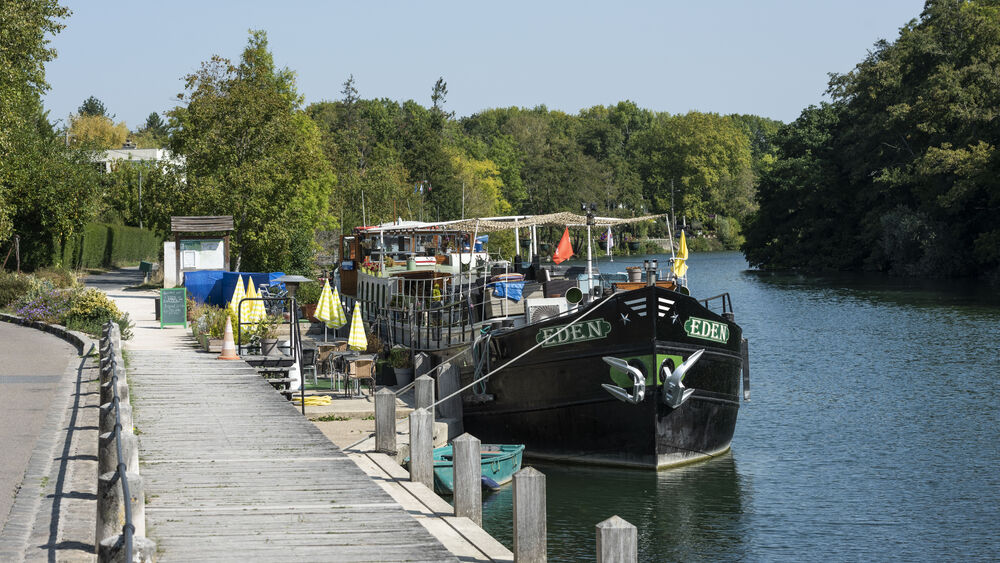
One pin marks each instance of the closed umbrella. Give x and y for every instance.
(339, 316)
(327, 311)
(357, 340)
(238, 295)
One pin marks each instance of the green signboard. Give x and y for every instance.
(580, 332)
(707, 330)
(173, 307)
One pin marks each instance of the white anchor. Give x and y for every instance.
(674, 392)
(638, 382)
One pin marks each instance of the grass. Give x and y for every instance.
(331, 418)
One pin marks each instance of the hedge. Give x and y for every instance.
(102, 245)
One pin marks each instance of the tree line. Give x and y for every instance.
(900, 171)
(283, 169)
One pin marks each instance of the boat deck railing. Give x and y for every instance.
(714, 304)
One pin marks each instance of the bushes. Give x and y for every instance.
(131, 244)
(95, 244)
(13, 286)
(101, 245)
(76, 308)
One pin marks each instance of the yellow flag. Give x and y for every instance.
(680, 268)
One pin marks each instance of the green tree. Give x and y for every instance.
(705, 156)
(253, 154)
(25, 28)
(154, 133)
(908, 157)
(93, 107)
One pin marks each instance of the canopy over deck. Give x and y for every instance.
(495, 224)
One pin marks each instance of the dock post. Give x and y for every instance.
(529, 516)
(422, 447)
(424, 393)
(385, 421)
(617, 541)
(468, 477)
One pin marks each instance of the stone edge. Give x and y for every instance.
(23, 518)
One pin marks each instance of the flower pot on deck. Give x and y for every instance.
(633, 245)
(403, 376)
(268, 346)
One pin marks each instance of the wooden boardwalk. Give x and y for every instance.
(234, 472)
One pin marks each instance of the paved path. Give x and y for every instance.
(28, 383)
(48, 440)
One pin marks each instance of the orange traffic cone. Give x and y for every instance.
(228, 345)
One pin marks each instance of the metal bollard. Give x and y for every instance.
(423, 391)
(385, 421)
(466, 453)
(111, 505)
(422, 448)
(529, 516)
(617, 541)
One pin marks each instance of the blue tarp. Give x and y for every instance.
(203, 286)
(216, 288)
(511, 290)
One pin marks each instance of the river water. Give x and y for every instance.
(871, 433)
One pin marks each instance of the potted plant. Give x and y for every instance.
(216, 328)
(267, 330)
(402, 364)
(307, 297)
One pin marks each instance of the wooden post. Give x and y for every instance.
(529, 516)
(468, 478)
(111, 505)
(617, 541)
(424, 393)
(385, 421)
(422, 447)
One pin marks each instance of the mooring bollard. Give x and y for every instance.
(107, 417)
(112, 550)
(529, 516)
(111, 505)
(107, 452)
(617, 541)
(422, 447)
(424, 393)
(385, 421)
(468, 477)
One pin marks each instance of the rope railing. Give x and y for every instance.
(120, 496)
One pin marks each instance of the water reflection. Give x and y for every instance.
(684, 514)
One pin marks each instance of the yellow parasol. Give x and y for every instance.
(254, 309)
(339, 318)
(238, 295)
(357, 340)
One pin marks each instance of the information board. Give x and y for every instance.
(173, 307)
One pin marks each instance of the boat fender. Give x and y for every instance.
(489, 483)
(674, 392)
(638, 380)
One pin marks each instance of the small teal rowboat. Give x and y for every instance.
(499, 461)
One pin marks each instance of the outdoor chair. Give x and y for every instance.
(309, 363)
(358, 370)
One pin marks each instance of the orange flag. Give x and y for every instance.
(564, 250)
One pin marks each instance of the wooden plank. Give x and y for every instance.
(232, 468)
(207, 223)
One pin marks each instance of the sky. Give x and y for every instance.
(763, 57)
